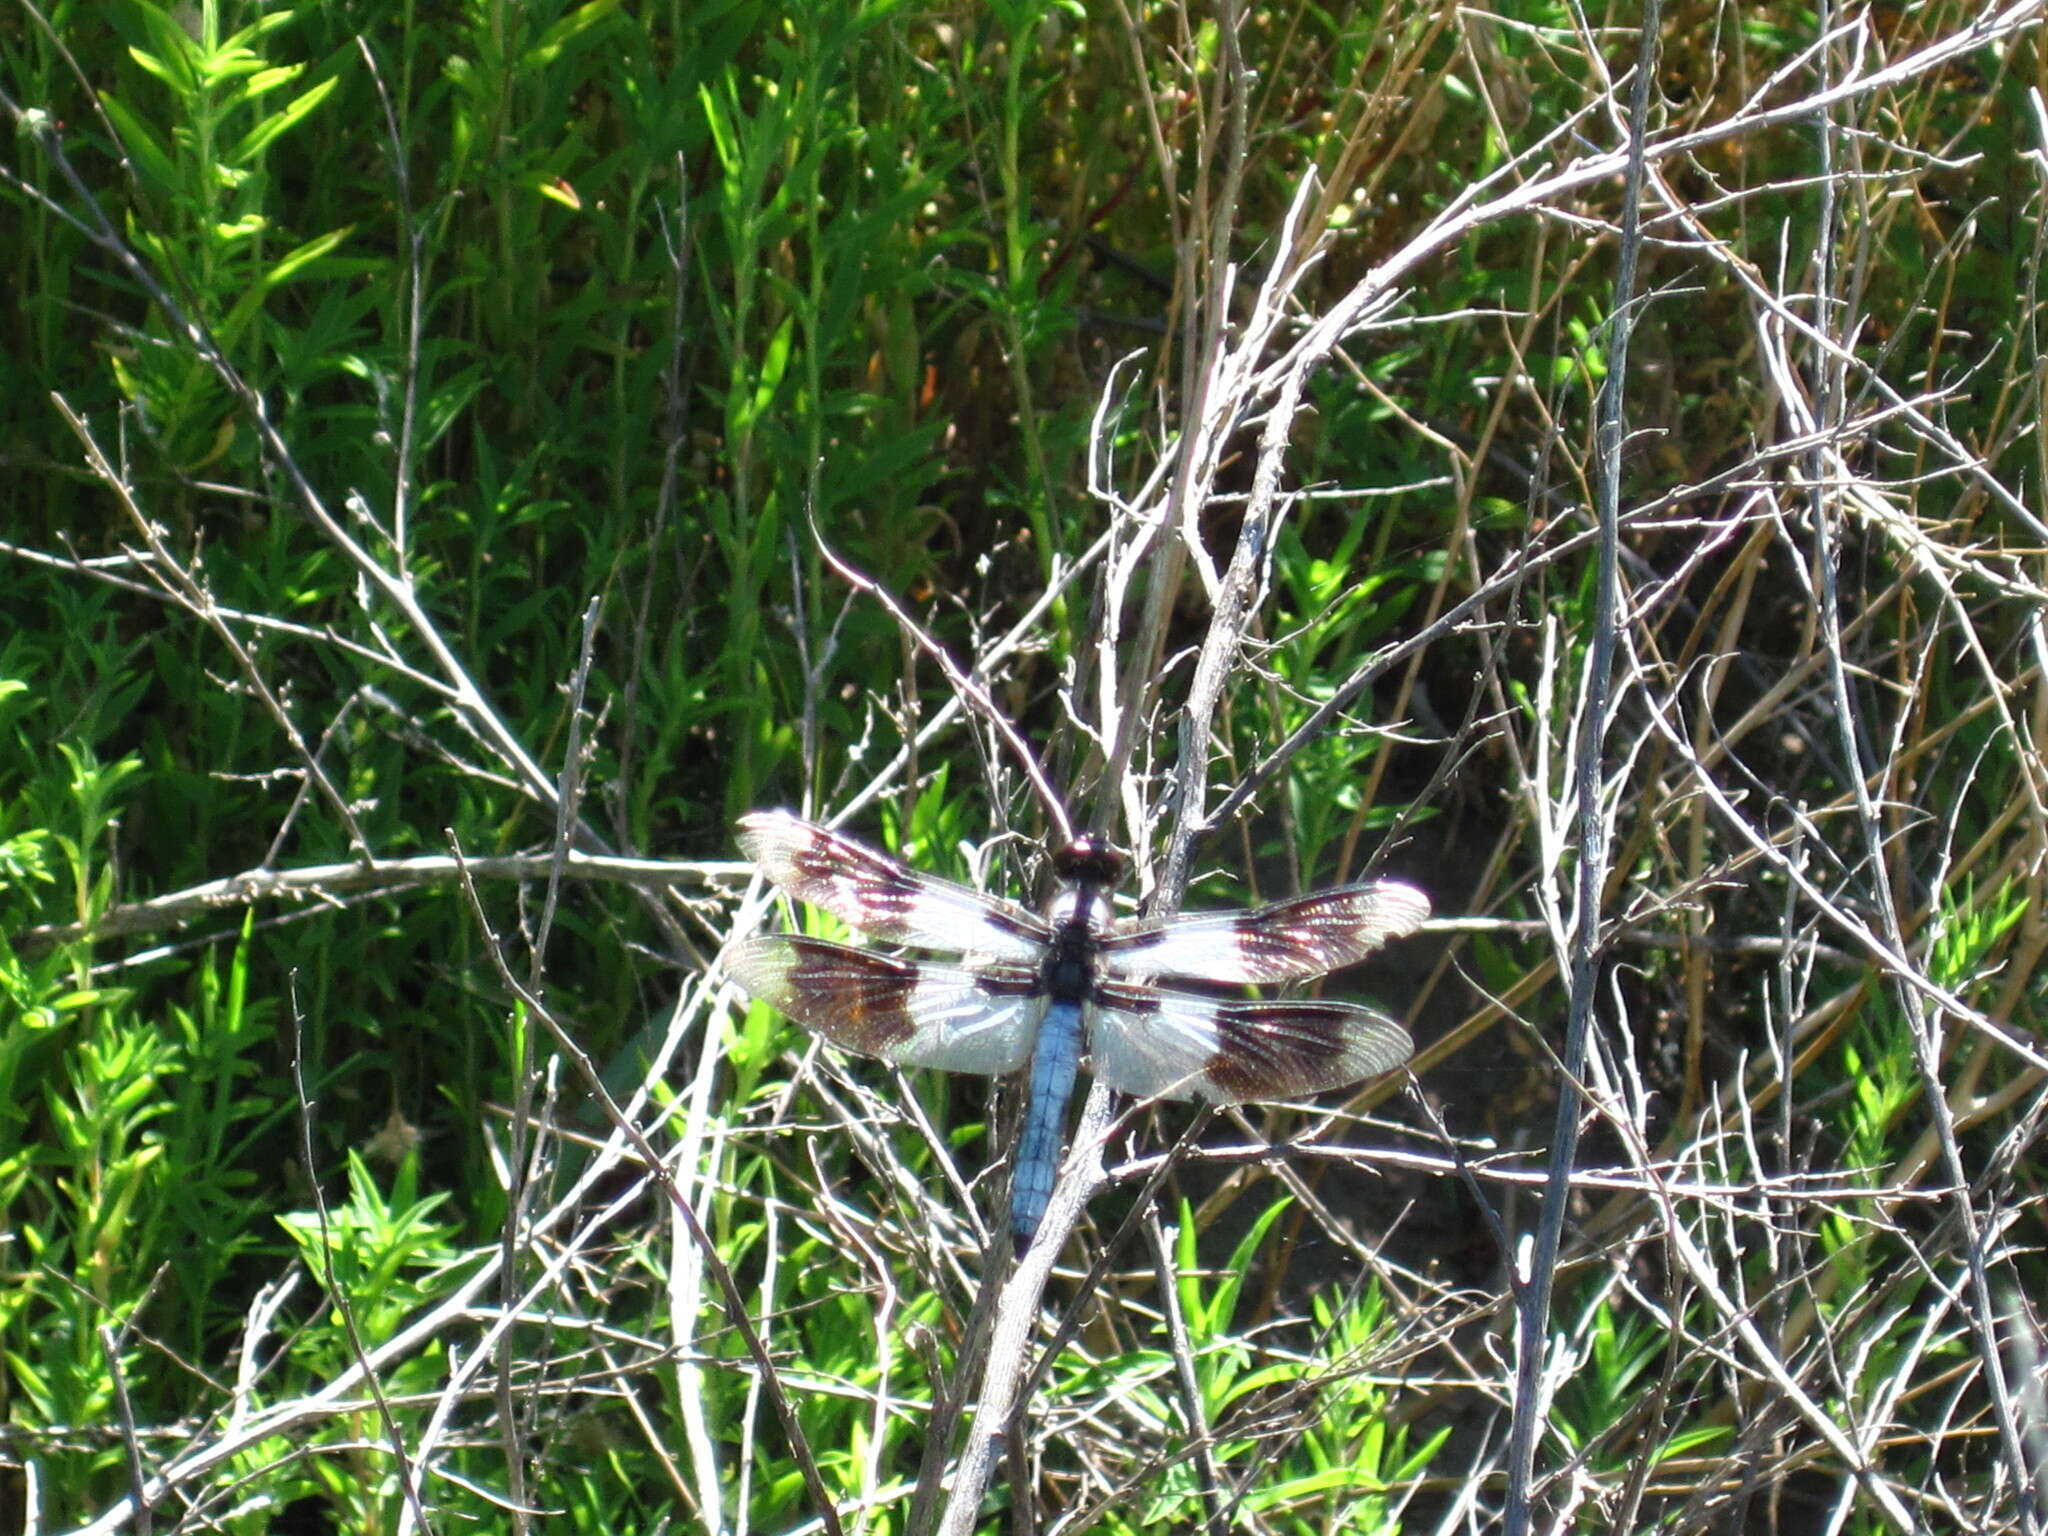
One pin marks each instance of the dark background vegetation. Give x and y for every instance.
(648, 306)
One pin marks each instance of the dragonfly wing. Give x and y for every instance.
(1158, 1042)
(1286, 941)
(905, 1011)
(881, 898)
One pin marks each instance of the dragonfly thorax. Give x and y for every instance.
(1077, 916)
(1067, 972)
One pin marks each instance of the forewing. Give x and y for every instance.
(881, 898)
(1286, 941)
(1157, 1042)
(905, 1011)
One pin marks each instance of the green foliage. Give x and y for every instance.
(201, 141)
(381, 1253)
(1306, 1433)
(656, 305)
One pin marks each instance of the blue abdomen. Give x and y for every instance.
(1055, 1059)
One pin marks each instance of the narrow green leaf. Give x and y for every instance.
(774, 364)
(288, 266)
(227, 65)
(151, 160)
(723, 137)
(291, 263)
(175, 57)
(265, 81)
(160, 68)
(259, 138)
(566, 31)
(260, 28)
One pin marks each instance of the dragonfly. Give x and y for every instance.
(1032, 989)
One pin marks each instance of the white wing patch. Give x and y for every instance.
(910, 1012)
(1158, 1043)
(1285, 941)
(883, 899)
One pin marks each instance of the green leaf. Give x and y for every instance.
(260, 137)
(266, 80)
(288, 266)
(566, 31)
(292, 262)
(226, 65)
(177, 80)
(175, 60)
(152, 162)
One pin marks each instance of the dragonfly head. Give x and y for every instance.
(1090, 860)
